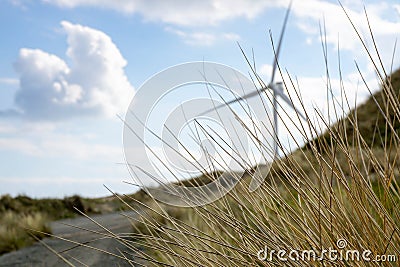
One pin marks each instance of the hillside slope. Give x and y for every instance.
(370, 118)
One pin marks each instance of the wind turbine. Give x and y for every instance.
(275, 87)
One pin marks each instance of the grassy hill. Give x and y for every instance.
(370, 119)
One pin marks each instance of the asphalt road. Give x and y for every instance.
(39, 255)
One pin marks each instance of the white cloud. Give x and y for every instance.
(60, 140)
(310, 13)
(75, 147)
(9, 81)
(93, 84)
(80, 149)
(202, 38)
(19, 3)
(6, 129)
(19, 144)
(307, 14)
(179, 12)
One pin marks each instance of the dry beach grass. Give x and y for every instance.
(342, 185)
(19, 230)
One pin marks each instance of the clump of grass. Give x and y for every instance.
(20, 230)
(54, 208)
(24, 220)
(337, 187)
(343, 184)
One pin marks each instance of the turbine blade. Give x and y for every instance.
(275, 122)
(287, 100)
(240, 98)
(275, 63)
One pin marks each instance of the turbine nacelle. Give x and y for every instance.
(278, 86)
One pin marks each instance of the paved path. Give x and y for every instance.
(39, 255)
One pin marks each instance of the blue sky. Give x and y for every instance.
(67, 68)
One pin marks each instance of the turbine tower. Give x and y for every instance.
(275, 87)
